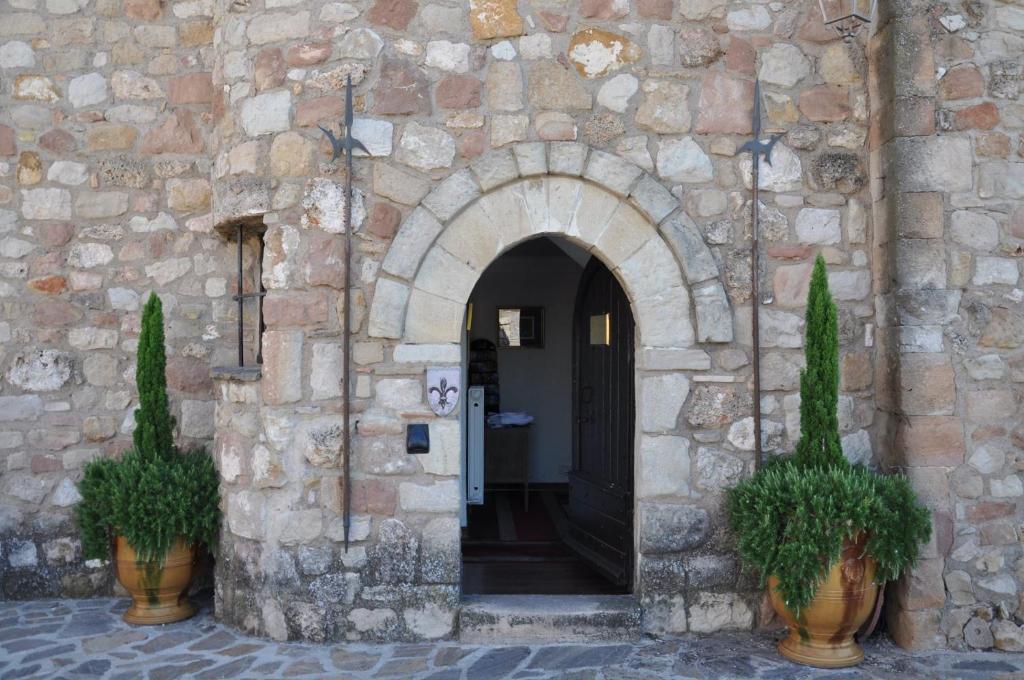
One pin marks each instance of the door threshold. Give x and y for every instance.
(519, 619)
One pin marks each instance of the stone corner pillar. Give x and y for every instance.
(917, 171)
(236, 433)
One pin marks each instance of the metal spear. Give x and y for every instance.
(346, 146)
(757, 149)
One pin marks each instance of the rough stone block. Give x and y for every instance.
(714, 317)
(440, 553)
(245, 514)
(1001, 179)
(671, 359)
(712, 612)
(399, 185)
(666, 528)
(991, 406)
(425, 148)
(20, 408)
(942, 164)
(927, 385)
(664, 614)
(439, 497)
(915, 630)
(662, 398)
(282, 367)
(295, 527)
(920, 264)
(922, 587)
(931, 441)
(664, 464)
(989, 271)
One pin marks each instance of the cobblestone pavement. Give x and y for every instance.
(87, 639)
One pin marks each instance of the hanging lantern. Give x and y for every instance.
(847, 16)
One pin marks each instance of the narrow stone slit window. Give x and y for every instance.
(246, 237)
(255, 293)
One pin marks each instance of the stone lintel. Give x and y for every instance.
(237, 373)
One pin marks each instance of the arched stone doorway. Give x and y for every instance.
(549, 358)
(631, 222)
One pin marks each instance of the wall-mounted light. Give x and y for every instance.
(847, 17)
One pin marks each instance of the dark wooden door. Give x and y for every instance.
(601, 478)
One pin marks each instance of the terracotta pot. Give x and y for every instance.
(158, 591)
(823, 636)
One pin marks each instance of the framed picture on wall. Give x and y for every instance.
(520, 327)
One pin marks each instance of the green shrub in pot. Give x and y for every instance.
(797, 517)
(155, 498)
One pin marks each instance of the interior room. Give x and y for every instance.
(520, 352)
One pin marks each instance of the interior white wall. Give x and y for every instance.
(538, 381)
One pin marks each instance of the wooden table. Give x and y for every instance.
(507, 457)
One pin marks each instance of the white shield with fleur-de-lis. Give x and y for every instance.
(443, 389)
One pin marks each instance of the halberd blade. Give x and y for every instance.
(356, 144)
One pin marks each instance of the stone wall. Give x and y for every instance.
(614, 124)
(947, 143)
(130, 131)
(105, 110)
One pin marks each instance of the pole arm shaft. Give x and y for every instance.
(347, 341)
(755, 296)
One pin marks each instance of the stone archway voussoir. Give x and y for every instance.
(593, 212)
(453, 194)
(387, 311)
(567, 158)
(411, 243)
(533, 195)
(432, 319)
(663, 320)
(651, 196)
(505, 210)
(612, 172)
(693, 254)
(650, 270)
(505, 197)
(444, 275)
(564, 194)
(494, 169)
(627, 232)
(531, 158)
(473, 238)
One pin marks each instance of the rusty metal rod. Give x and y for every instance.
(755, 295)
(347, 146)
(347, 321)
(757, 148)
(241, 301)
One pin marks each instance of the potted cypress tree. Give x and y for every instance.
(156, 504)
(823, 533)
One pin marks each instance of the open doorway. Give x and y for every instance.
(549, 367)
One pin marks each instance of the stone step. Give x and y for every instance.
(521, 619)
